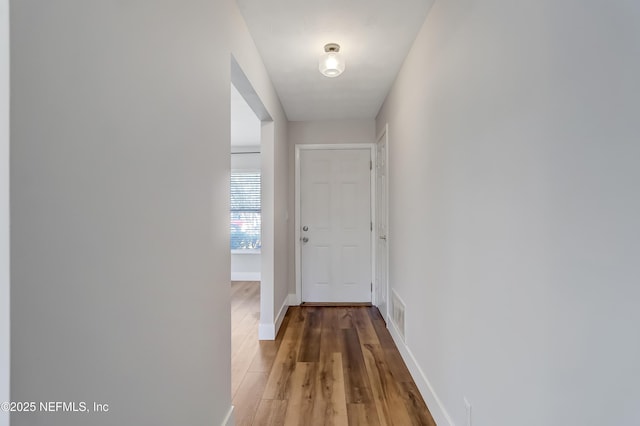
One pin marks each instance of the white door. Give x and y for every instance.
(335, 225)
(381, 225)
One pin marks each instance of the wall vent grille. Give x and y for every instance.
(397, 313)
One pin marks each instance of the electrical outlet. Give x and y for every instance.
(467, 407)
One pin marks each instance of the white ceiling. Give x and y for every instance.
(245, 125)
(374, 35)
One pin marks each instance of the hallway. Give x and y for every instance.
(334, 365)
(512, 233)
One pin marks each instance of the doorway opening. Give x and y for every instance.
(245, 218)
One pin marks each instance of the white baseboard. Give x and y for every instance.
(439, 413)
(245, 276)
(270, 331)
(281, 313)
(266, 331)
(293, 299)
(229, 420)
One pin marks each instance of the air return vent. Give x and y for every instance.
(397, 313)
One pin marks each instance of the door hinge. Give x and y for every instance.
(370, 164)
(372, 287)
(371, 223)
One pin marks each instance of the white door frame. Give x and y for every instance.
(268, 326)
(298, 247)
(384, 134)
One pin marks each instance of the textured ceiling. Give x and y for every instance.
(374, 35)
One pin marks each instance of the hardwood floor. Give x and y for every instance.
(327, 366)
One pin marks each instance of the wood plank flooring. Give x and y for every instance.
(327, 366)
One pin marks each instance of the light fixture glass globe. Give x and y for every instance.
(331, 64)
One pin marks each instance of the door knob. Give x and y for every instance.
(305, 239)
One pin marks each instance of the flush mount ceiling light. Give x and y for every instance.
(332, 62)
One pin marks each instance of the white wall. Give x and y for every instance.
(246, 266)
(273, 144)
(246, 159)
(320, 132)
(4, 210)
(514, 232)
(119, 199)
(335, 131)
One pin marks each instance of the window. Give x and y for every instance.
(245, 210)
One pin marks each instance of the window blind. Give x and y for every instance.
(245, 210)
